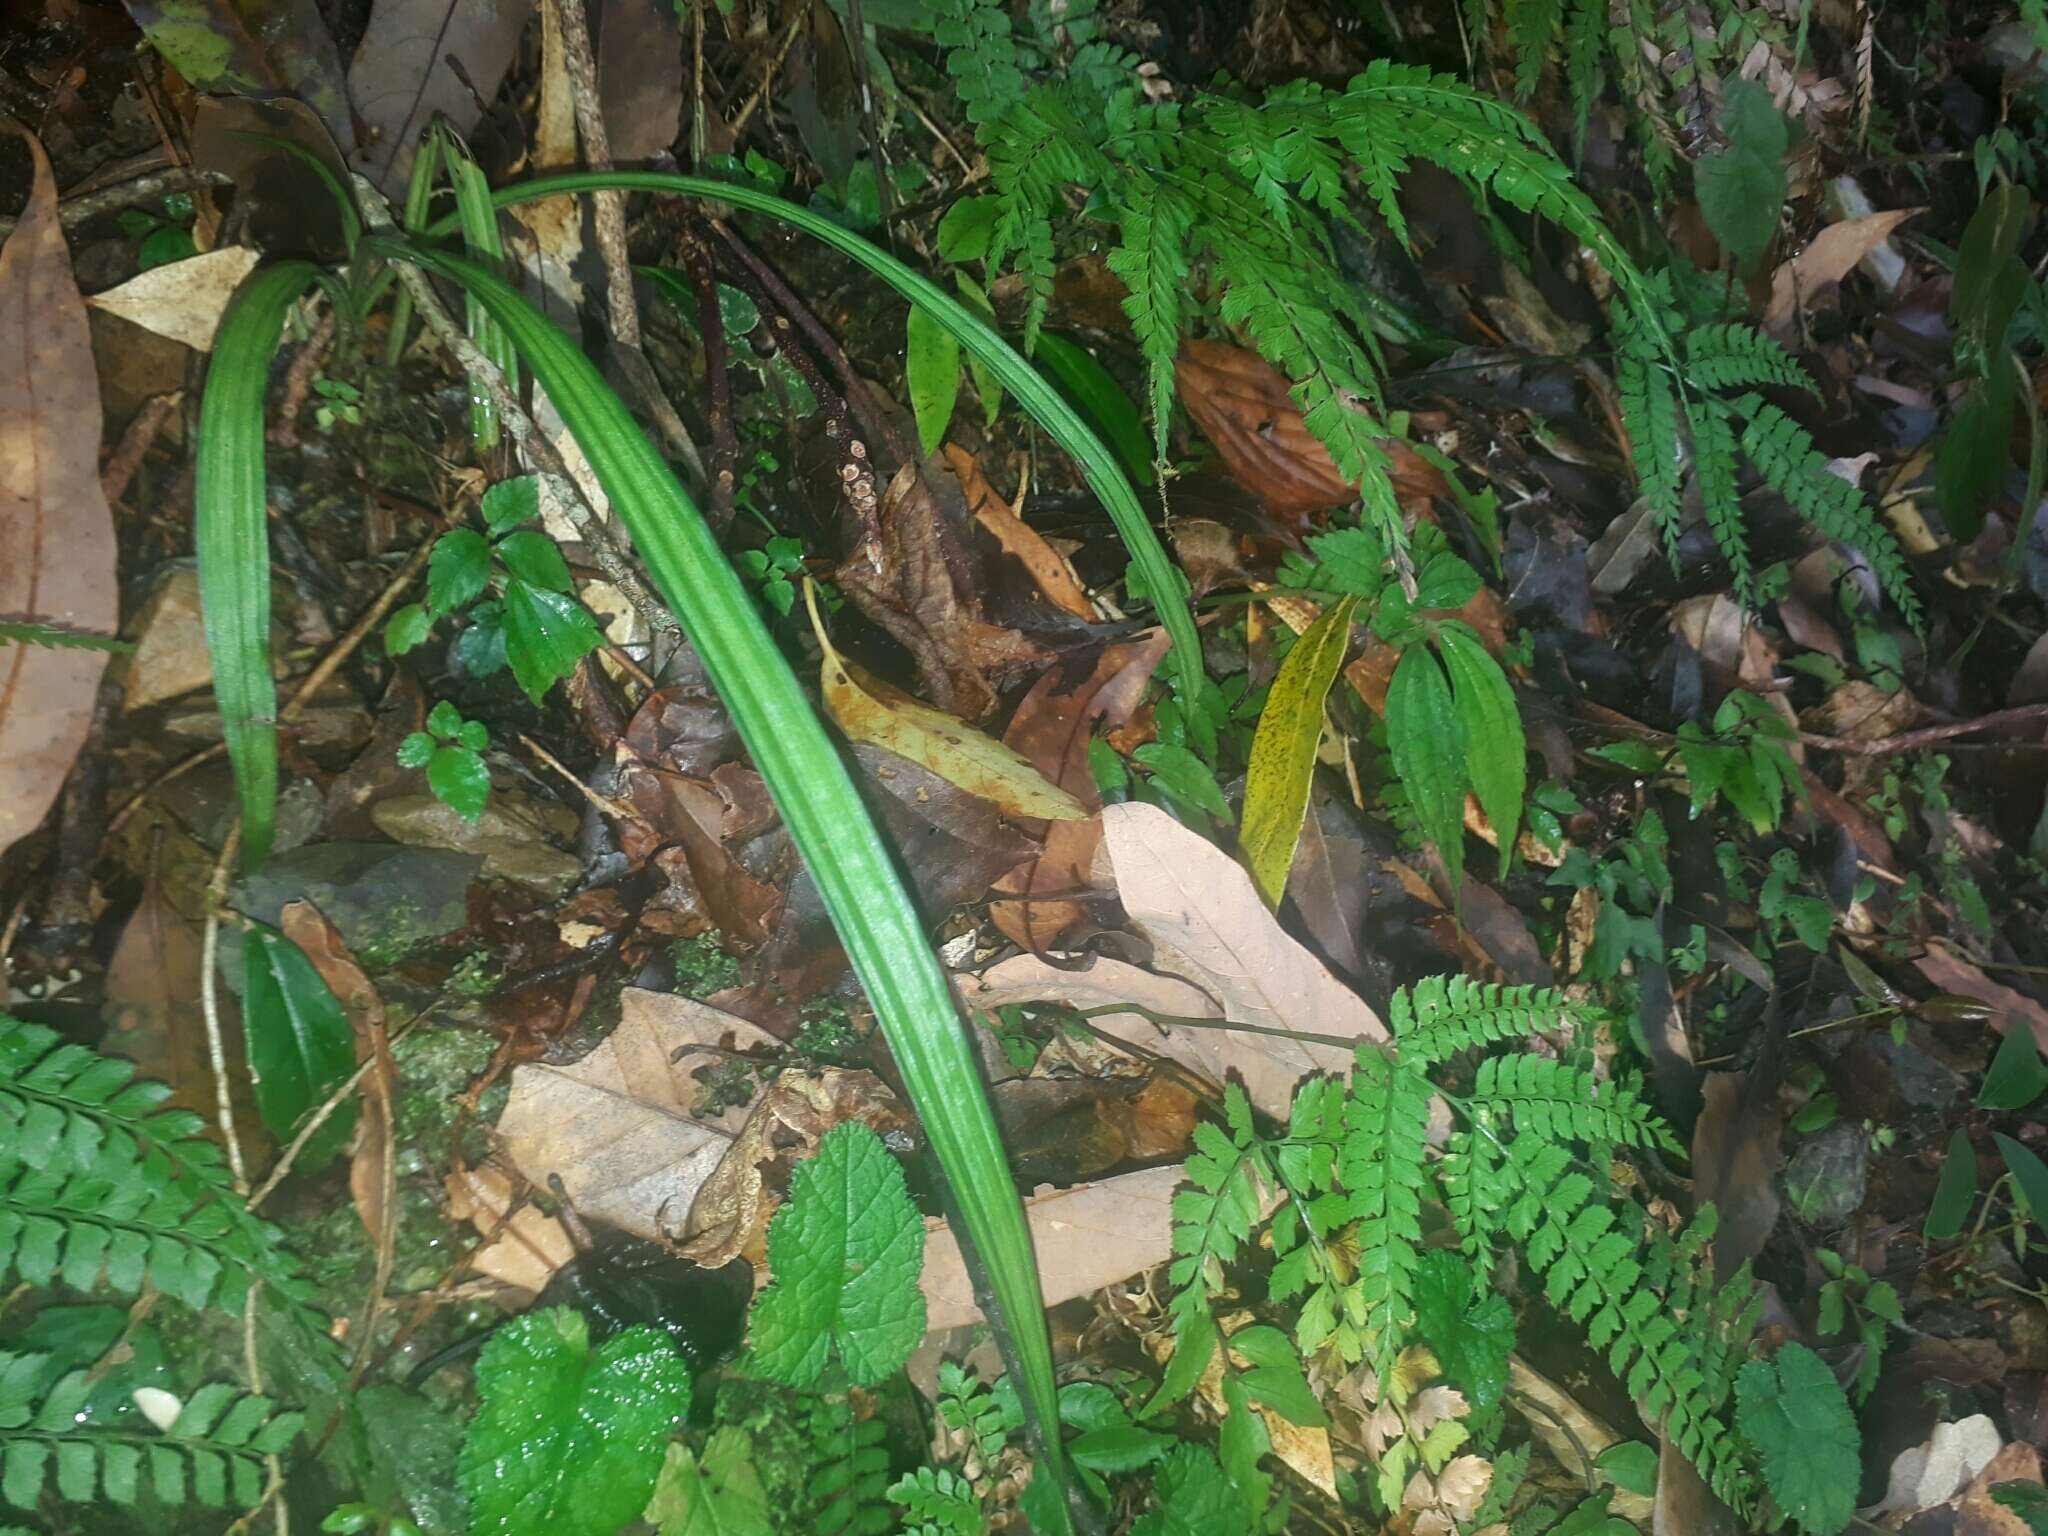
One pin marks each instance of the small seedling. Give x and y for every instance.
(451, 750)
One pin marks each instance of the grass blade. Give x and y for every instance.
(233, 539)
(875, 918)
(1162, 578)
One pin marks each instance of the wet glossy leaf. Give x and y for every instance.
(457, 570)
(546, 634)
(300, 1043)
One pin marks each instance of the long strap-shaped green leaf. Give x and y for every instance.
(1162, 578)
(873, 912)
(233, 539)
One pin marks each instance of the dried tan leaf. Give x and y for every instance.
(1831, 256)
(1100, 982)
(372, 1167)
(1461, 1486)
(1047, 566)
(183, 300)
(1432, 1405)
(1208, 927)
(1086, 1237)
(56, 531)
(868, 709)
(527, 1250)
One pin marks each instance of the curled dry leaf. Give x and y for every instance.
(1246, 408)
(1049, 570)
(56, 531)
(372, 1168)
(1208, 926)
(183, 300)
(729, 1218)
(1051, 728)
(1831, 256)
(869, 710)
(402, 76)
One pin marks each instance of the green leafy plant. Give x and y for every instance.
(534, 624)
(1851, 1297)
(1744, 760)
(451, 750)
(569, 1437)
(301, 1044)
(1351, 1173)
(1793, 1411)
(846, 1249)
(210, 1452)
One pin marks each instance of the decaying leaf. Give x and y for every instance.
(527, 1250)
(1049, 569)
(401, 78)
(1951, 973)
(56, 530)
(183, 300)
(1831, 256)
(1208, 926)
(868, 709)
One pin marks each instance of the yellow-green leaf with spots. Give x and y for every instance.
(1284, 749)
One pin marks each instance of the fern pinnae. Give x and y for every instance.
(1441, 1016)
(1151, 258)
(1713, 457)
(1382, 1167)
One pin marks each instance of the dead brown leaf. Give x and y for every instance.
(1208, 926)
(1051, 728)
(1831, 256)
(1952, 973)
(373, 1167)
(1245, 407)
(1048, 569)
(527, 1250)
(56, 530)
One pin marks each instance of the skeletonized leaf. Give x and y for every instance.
(568, 1441)
(869, 710)
(183, 300)
(56, 532)
(1283, 759)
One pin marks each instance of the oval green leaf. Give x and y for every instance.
(931, 372)
(1427, 739)
(1496, 756)
(1955, 1192)
(300, 1043)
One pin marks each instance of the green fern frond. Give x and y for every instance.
(849, 1478)
(1477, 1189)
(982, 56)
(938, 1503)
(1730, 356)
(57, 637)
(1785, 456)
(1548, 1098)
(1152, 260)
(1585, 36)
(1213, 1220)
(212, 1454)
(1532, 25)
(1595, 1269)
(1442, 1015)
(1381, 1166)
(1713, 457)
(101, 1185)
(1649, 406)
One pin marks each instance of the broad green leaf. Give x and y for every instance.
(879, 925)
(965, 229)
(2029, 1173)
(1185, 777)
(719, 1495)
(512, 502)
(846, 1249)
(406, 628)
(535, 559)
(1349, 560)
(546, 634)
(415, 750)
(1102, 400)
(2015, 1077)
(1427, 739)
(444, 719)
(459, 780)
(1632, 1464)
(1283, 757)
(1794, 1413)
(1741, 190)
(1472, 1336)
(986, 384)
(1975, 454)
(232, 534)
(567, 1440)
(1191, 1497)
(931, 372)
(457, 570)
(1990, 278)
(300, 1043)
(1275, 1378)
(1495, 754)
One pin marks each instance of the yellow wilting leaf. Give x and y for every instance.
(869, 710)
(1284, 749)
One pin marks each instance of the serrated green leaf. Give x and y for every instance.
(964, 230)
(459, 780)
(846, 1249)
(1794, 1413)
(568, 1441)
(406, 629)
(536, 560)
(444, 719)
(511, 502)
(2015, 1077)
(1496, 756)
(546, 634)
(1283, 756)
(1426, 737)
(457, 570)
(1473, 1337)
(719, 1495)
(1741, 190)
(1185, 777)
(301, 1045)
(931, 373)
(1192, 1497)
(414, 751)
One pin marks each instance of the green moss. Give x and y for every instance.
(702, 966)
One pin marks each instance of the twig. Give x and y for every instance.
(298, 381)
(209, 1003)
(617, 810)
(136, 440)
(90, 205)
(1928, 735)
(760, 95)
(1183, 1021)
(581, 68)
